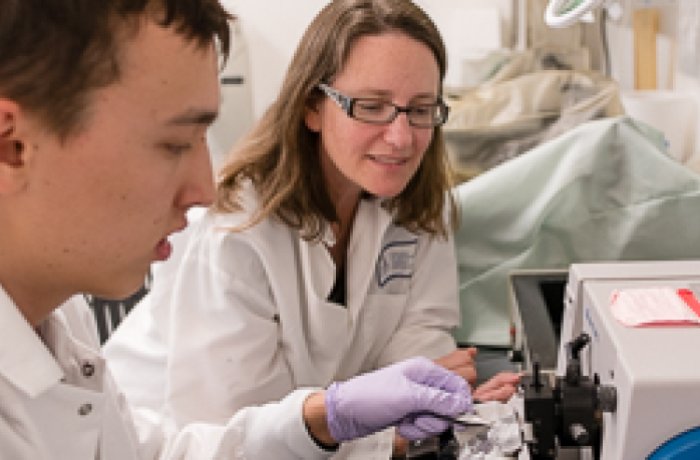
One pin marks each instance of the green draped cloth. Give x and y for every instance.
(604, 191)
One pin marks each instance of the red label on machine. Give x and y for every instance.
(656, 306)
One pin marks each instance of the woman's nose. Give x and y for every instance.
(399, 132)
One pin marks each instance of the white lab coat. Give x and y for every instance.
(58, 401)
(241, 318)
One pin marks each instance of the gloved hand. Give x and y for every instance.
(400, 395)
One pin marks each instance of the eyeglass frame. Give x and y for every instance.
(347, 104)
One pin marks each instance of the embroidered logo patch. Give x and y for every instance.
(395, 261)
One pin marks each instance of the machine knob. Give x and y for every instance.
(516, 356)
(579, 434)
(607, 398)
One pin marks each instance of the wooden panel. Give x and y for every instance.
(645, 26)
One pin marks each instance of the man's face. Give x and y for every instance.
(98, 207)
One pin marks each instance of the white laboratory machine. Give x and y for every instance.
(616, 392)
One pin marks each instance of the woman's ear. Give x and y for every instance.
(312, 118)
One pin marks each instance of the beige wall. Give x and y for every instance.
(272, 29)
(677, 69)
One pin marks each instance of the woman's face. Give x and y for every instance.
(379, 159)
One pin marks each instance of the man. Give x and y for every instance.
(103, 112)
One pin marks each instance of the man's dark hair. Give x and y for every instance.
(54, 53)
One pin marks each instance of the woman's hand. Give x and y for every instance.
(461, 362)
(500, 387)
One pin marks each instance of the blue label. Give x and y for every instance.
(396, 261)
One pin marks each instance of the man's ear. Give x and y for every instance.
(12, 147)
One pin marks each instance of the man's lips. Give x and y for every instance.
(163, 249)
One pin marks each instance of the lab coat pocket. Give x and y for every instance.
(385, 307)
(381, 317)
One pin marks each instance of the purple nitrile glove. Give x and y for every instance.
(392, 396)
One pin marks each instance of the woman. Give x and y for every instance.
(329, 251)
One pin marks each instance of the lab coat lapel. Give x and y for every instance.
(327, 327)
(369, 228)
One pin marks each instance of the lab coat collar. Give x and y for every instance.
(369, 229)
(368, 207)
(328, 237)
(25, 361)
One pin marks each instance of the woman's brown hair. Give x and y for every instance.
(280, 155)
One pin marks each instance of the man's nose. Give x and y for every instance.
(200, 189)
